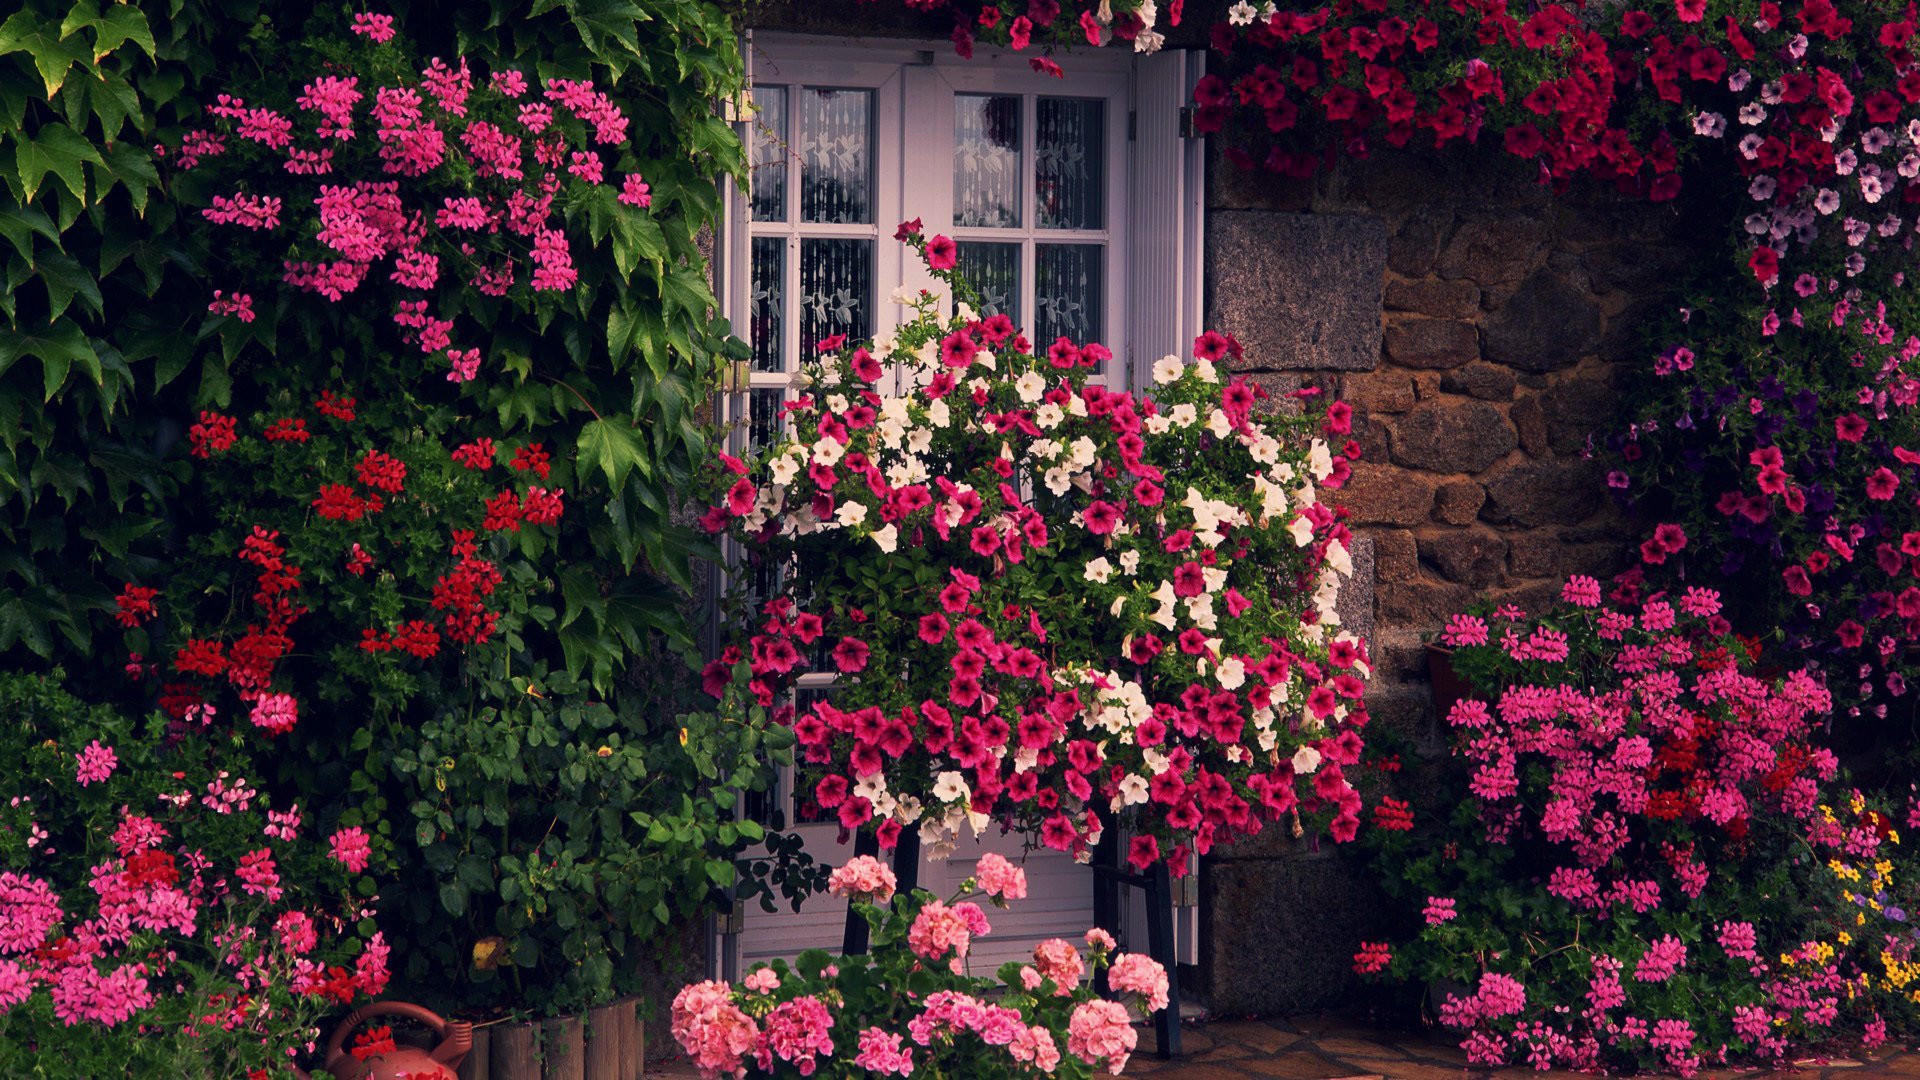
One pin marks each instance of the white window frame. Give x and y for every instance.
(1153, 236)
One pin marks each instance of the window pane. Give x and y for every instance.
(835, 154)
(986, 161)
(1069, 163)
(836, 290)
(763, 417)
(994, 272)
(769, 181)
(1069, 292)
(768, 299)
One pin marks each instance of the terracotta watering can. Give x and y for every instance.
(413, 1063)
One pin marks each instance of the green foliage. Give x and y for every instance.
(549, 836)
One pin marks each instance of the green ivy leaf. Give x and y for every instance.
(116, 26)
(60, 150)
(616, 448)
(52, 55)
(58, 348)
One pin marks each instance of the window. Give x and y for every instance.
(1075, 206)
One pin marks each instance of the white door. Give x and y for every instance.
(1057, 191)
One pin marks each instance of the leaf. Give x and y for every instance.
(58, 348)
(116, 26)
(614, 447)
(64, 280)
(60, 150)
(131, 166)
(19, 223)
(24, 32)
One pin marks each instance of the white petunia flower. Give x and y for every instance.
(888, 538)
(1099, 570)
(1169, 368)
(1305, 760)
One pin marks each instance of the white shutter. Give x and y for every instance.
(1165, 277)
(1167, 199)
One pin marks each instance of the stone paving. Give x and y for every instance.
(1332, 1048)
(1336, 1048)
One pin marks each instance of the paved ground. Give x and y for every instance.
(1331, 1048)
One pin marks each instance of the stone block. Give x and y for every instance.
(1451, 438)
(1300, 291)
(1379, 391)
(1422, 603)
(1278, 934)
(1469, 556)
(1395, 556)
(1563, 491)
(1382, 495)
(1412, 247)
(1491, 250)
(1546, 325)
(1458, 502)
(1488, 382)
(1431, 343)
(1436, 298)
(1530, 423)
(1577, 410)
(1355, 602)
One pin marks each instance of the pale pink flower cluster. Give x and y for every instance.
(949, 1011)
(1035, 1046)
(94, 763)
(29, 908)
(634, 191)
(462, 365)
(865, 879)
(1060, 961)
(239, 305)
(1100, 1031)
(1133, 973)
(283, 824)
(796, 1032)
(880, 1052)
(762, 980)
(597, 109)
(940, 930)
(377, 28)
(1000, 878)
(712, 1029)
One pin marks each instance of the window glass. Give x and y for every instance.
(986, 161)
(768, 297)
(836, 136)
(769, 183)
(994, 272)
(1069, 292)
(1069, 164)
(836, 290)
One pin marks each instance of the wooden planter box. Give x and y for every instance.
(607, 1043)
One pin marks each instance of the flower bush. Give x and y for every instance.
(909, 1004)
(1788, 464)
(1643, 868)
(1050, 604)
(369, 599)
(150, 885)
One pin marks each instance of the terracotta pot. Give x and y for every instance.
(440, 1063)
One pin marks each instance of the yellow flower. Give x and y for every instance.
(683, 736)
(605, 751)
(1843, 938)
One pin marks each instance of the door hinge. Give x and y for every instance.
(1186, 891)
(738, 108)
(735, 921)
(735, 377)
(1189, 122)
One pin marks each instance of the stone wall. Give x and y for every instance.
(1479, 327)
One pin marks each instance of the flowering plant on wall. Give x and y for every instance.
(1049, 604)
(1787, 461)
(426, 190)
(150, 885)
(1634, 865)
(910, 1005)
